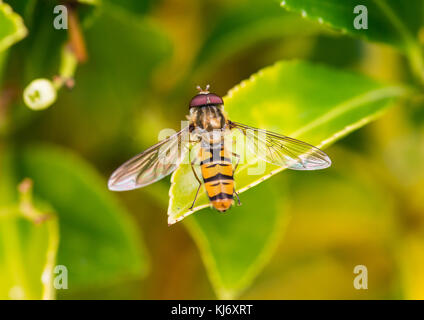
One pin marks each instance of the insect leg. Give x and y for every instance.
(235, 167)
(198, 180)
(238, 160)
(238, 198)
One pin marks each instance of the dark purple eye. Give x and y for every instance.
(203, 99)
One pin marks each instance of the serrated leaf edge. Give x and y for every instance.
(373, 95)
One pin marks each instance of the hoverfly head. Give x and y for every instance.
(205, 98)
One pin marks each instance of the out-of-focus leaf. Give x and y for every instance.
(99, 244)
(309, 102)
(236, 245)
(130, 6)
(121, 69)
(2, 62)
(12, 28)
(313, 103)
(411, 258)
(389, 21)
(245, 25)
(91, 2)
(24, 249)
(334, 218)
(27, 250)
(40, 52)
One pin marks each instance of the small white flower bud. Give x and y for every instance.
(40, 94)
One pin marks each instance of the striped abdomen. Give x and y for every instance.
(217, 172)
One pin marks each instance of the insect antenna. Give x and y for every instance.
(203, 91)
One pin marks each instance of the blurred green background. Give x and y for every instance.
(298, 235)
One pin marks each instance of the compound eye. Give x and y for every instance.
(204, 99)
(198, 100)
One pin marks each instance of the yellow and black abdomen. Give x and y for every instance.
(217, 172)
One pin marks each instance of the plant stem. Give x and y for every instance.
(68, 65)
(49, 292)
(29, 211)
(76, 38)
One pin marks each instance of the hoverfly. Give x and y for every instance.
(208, 126)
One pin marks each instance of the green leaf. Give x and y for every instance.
(12, 28)
(99, 244)
(334, 216)
(112, 104)
(236, 245)
(42, 38)
(310, 102)
(129, 6)
(27, 248)
(90, 2)
(246, 25)
(25, 257)
(389, 21)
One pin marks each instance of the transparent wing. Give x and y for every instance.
(151, 165)
(281, 150)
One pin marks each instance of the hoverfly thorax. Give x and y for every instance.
(206, 111)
